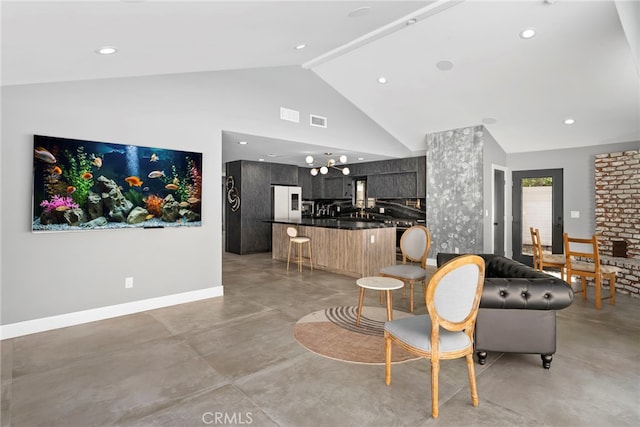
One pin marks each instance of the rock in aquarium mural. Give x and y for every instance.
(88, 185)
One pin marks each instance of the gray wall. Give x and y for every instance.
(57, 273)
(493, 155)
(579, 181)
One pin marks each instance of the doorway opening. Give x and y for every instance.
(498, 210)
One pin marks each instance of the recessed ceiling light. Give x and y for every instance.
(528, 33)
(360, 158)
(242, 142)
(411, 21)
(106, 50)
(444, 65)
(382, 80)
(261, 160)
(272, 155)
(569, 121)
(300, 46)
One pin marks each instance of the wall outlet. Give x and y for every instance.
(128, 282)
(381, 210)
(457, 250)
(575, 214)
(373, 238)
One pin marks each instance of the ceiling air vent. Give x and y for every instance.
(290, 115)
(318, 121)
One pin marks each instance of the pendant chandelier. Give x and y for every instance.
(331, 163)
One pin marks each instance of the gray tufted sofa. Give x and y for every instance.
(518, 308)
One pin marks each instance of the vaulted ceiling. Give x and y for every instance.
(447, 64)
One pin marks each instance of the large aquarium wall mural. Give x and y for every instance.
(88, 185)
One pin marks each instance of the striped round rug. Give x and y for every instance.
(333, 333)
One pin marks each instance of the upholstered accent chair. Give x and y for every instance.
(415, 244)
(452, 298)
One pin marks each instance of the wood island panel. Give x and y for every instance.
(343, 251)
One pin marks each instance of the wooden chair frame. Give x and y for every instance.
(406, 258)
(584, 268)
(467, 325)
(539, 259)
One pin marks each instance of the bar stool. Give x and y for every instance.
(299, 241)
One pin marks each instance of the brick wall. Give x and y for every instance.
(617, 212)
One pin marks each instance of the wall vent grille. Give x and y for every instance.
(289, 115)
(318, 121)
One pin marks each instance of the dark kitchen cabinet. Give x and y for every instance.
(305, 180)
(333, 188)
(392, 185)
(245, 229)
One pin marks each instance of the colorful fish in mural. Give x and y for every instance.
(154, 158)
(97, 162)
(155, 174)
(44, 155)
(133, 181)
(87, 175)
(172, 187)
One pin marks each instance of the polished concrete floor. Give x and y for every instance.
(233, 361)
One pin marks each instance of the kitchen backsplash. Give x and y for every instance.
(413, 208)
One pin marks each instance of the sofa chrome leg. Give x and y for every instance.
(546, 360)
(482, 357)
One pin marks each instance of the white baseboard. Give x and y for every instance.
(27, 327)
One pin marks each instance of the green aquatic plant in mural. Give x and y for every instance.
(179, 184)
(134, 197)
(78, 175)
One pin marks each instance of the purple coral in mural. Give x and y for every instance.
(58, 203)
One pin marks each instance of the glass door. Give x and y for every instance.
(537, 202)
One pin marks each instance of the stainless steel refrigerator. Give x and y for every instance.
(287, 203)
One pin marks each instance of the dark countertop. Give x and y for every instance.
(343, 224)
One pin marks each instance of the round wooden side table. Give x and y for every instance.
(378, 283)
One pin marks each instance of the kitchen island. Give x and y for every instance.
(345, 246)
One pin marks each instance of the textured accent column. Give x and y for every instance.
(455, 190)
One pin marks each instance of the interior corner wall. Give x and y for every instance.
(455, 176)
(578, 165)
(492, 155)
(50, 274)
